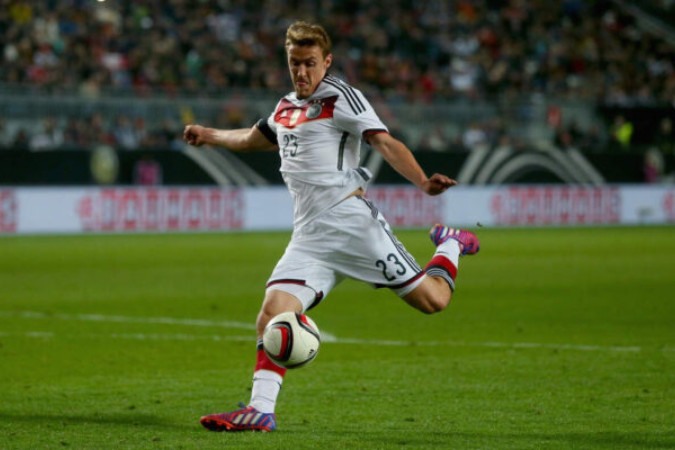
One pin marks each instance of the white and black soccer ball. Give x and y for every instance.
(291, 340)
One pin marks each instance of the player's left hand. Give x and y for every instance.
(437, 184)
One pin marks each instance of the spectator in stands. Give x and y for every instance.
(505, 143)
(74, 133)
(124, 133)
(49, 138)
(592, 139)
(569, 136)
(21, 140)
(474, 136)
(167, 136)
(147, 171)
(140, 131)
(435, 140)
(563, 138)
(436, 51)
(653, 166)
(97, 131)
(622, 132)
(5, 138)
(585, 49)
(665, 138)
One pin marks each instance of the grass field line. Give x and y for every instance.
(334, 340)
(326, 337)
(129, 319)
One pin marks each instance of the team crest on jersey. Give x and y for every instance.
(290, 115)
(314, 111)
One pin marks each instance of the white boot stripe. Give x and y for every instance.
(256, 418)
(238, 419)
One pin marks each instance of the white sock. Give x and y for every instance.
(266, 387)
(450, 250)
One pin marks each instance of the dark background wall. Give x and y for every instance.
(74, 167)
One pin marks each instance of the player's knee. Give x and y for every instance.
(430, 302)
(430, 297)
(276, 302)
(435, 303)
(266, 313)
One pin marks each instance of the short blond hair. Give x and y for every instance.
(308, 34)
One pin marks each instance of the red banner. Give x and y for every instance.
(180, 209)
(407, 206)
(556, 205)
(8, 211)
(669, 206)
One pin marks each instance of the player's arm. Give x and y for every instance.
(238, 140)
(399, 156)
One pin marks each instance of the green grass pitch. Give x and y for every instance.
(556, 339)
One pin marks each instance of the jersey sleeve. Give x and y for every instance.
(354, 113)
(267, 131)
(268, 127)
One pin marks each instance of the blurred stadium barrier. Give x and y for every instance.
(185, 209)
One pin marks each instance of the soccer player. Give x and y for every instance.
(337, 232)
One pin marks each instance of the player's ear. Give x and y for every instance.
(329, 60)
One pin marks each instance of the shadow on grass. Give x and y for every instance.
(365, 439)
(603, 439)
(122, 419)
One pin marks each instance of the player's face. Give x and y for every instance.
(308, 66)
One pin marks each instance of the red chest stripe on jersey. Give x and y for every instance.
(290, 116)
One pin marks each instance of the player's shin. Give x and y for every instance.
(445, 262)
(267, 379)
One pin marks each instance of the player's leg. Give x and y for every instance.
(433, 294)
(371, 252)
(267, 376)
(278, 301)
(296, 284)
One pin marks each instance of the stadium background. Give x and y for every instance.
(558, 337)
(447, 76)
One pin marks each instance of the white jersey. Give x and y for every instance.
(319, 142)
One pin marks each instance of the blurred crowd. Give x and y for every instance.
(122, 132)
(399, 51)
(415, 51)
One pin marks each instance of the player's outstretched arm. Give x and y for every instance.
(239, 140)
(402, 160)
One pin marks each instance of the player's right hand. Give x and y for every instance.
(193, 134)
(437, 184)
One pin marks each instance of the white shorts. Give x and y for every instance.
(351, 240)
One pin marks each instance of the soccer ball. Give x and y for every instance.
(291, 340)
